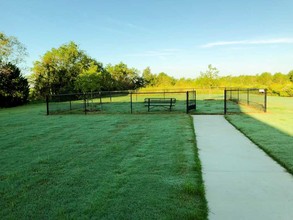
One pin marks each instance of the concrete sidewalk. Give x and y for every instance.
(241, 181)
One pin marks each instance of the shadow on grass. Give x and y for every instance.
(271, 140)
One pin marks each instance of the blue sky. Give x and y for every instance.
(179, 37)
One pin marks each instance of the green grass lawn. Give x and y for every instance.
(271, 131)
(98, 166)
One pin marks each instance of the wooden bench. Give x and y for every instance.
(159, 102)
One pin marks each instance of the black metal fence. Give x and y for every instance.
(197, 102)
(245, 100)
(122, 102)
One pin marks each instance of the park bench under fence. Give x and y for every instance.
(160, 102)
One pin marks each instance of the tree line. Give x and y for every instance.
(68, 69)
(278, 84)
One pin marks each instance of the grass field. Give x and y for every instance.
(271, 131)
(98, 166)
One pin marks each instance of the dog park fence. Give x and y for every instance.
(121, 102)
(199, 101)
(254, 98)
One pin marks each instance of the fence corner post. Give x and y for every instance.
(195, 99)
(187, 101)
(131, 102)
(225, 101)
(265, 107)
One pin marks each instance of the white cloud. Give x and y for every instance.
(249, 42)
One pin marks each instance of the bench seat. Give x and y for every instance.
(164, 102)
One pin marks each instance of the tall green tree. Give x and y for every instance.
(11, 50)
(14, 88)
(58, 69)
(149, 78)
(209, 78)
(124, 78)
(280, 78)
(91, 80)
(164, 80)
(265, 79)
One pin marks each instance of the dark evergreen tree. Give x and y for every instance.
(14, 88)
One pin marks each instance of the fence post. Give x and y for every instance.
(247, 96)
(101, 102)
(47, 101)
(265, 107)
(84, 97)
(238, 96)
(187, 100)
(195, 99)
(225, 102)
(70, 108)
(131, 102)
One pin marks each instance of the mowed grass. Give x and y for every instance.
(271, 131)
(98, 166)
